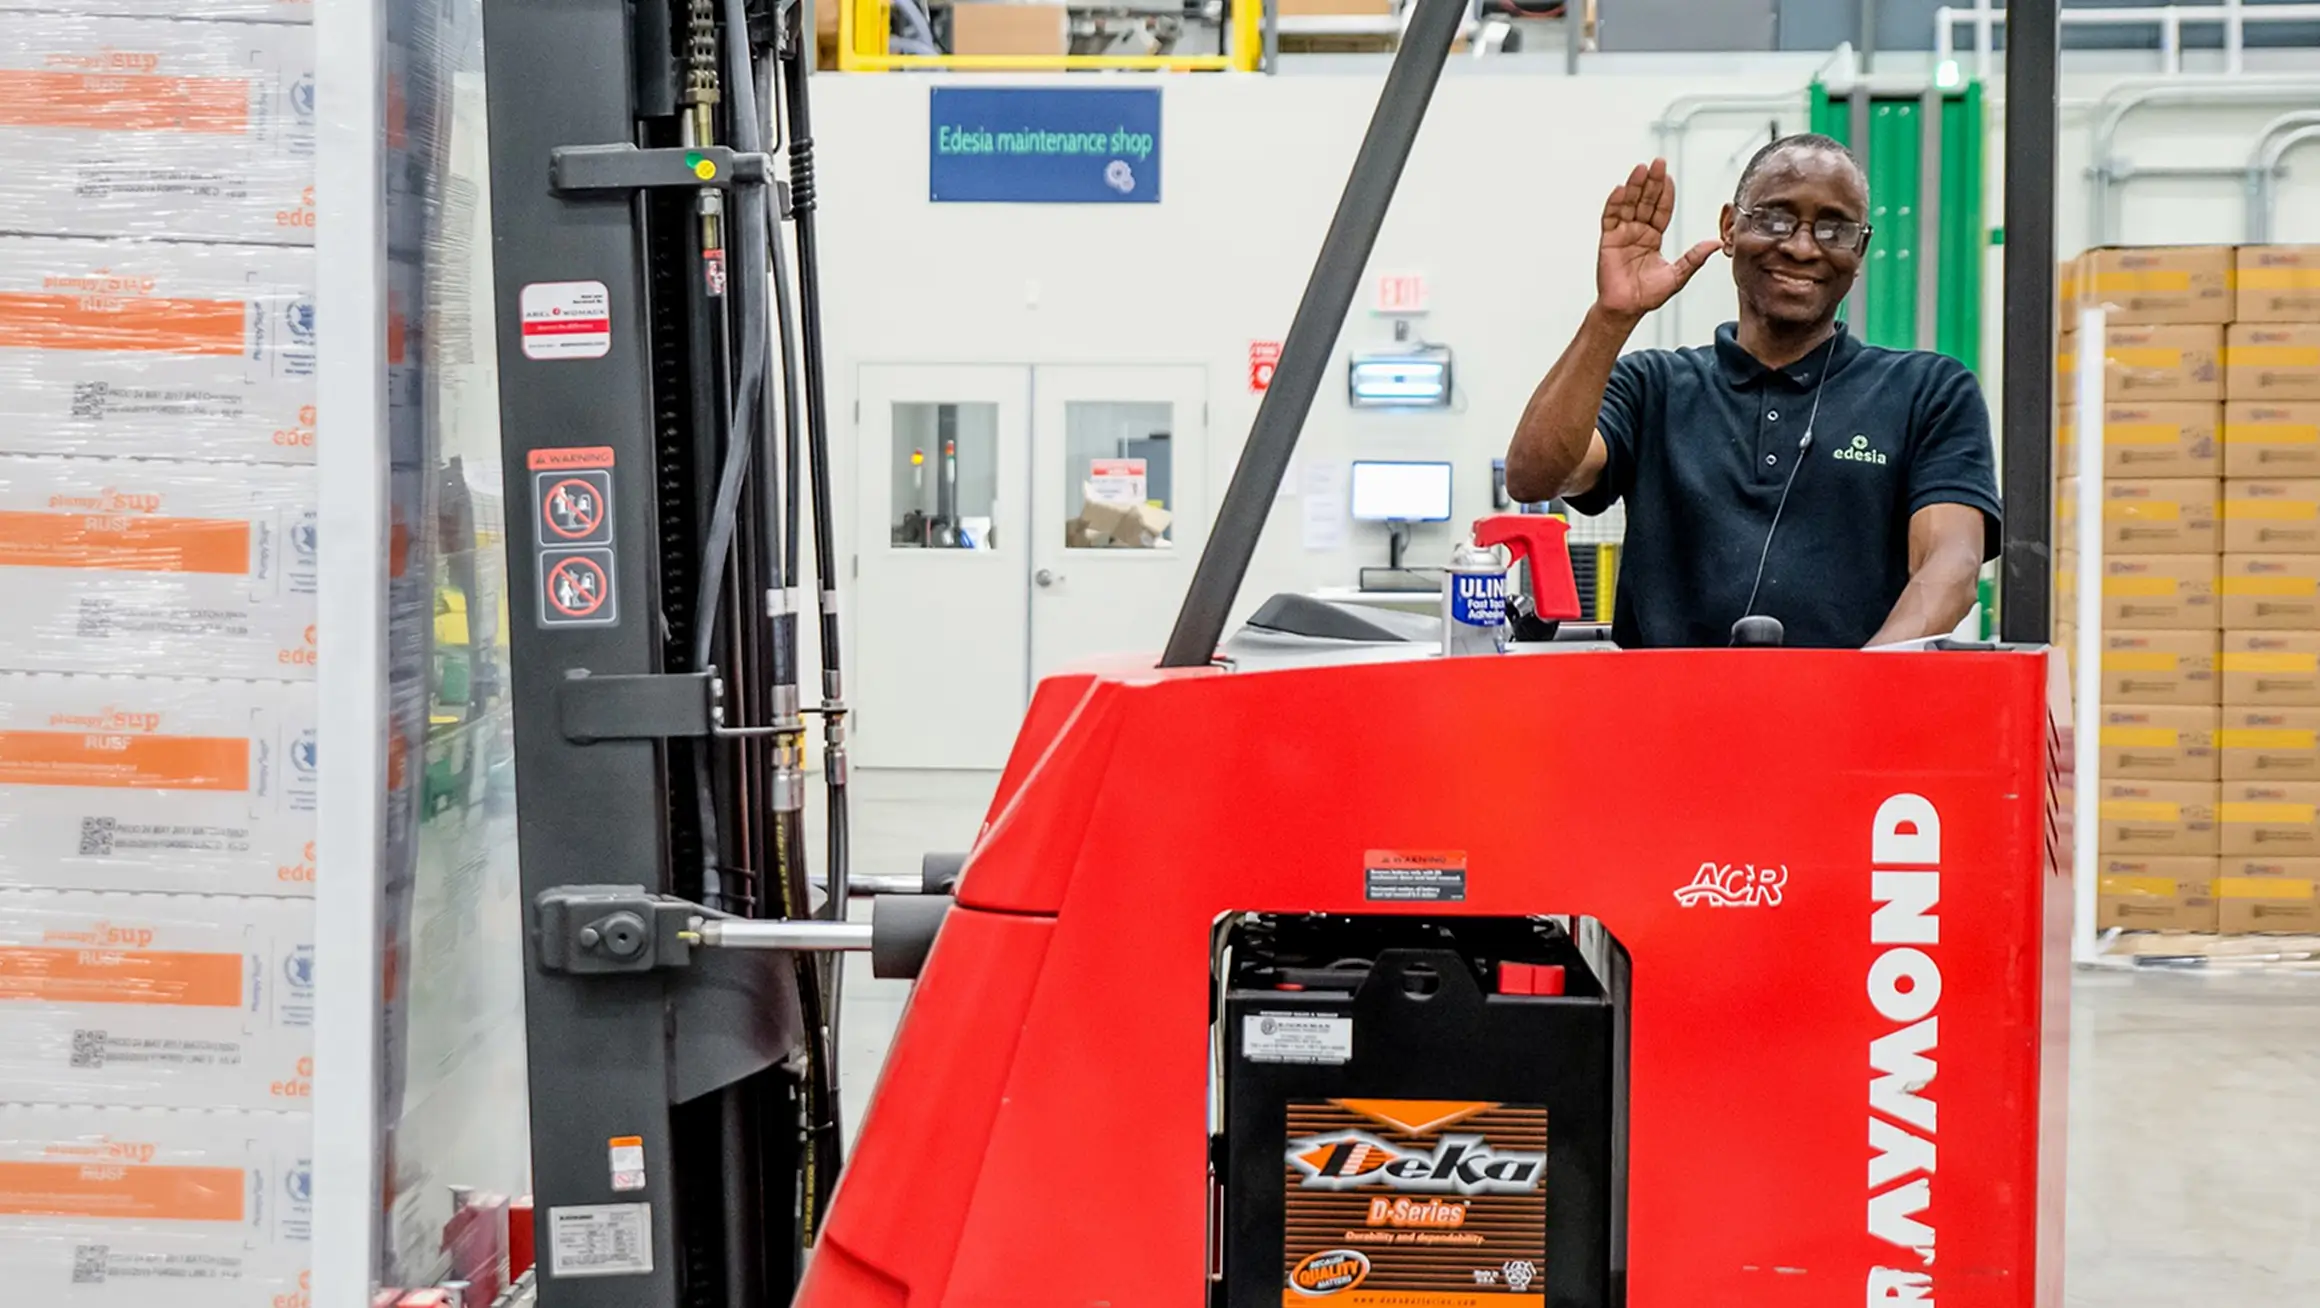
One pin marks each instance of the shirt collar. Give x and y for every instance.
(1744, 369)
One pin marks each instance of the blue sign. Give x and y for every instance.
(1042, 146)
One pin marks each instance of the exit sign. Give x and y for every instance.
(1401, 293)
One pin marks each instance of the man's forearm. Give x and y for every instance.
(1551, 440)
(1937, 598)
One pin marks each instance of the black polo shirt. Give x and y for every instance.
(1701, 442)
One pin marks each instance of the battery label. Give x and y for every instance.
(1401, 1203)
(1314, 1038)
(1414, 876)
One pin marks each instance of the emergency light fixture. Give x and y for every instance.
(1400, 379)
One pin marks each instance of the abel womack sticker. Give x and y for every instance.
(1415, 1203)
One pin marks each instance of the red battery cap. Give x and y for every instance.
(1530, 979)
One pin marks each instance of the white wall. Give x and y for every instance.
(1498, 210)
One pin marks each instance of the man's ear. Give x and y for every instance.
(1725, 226)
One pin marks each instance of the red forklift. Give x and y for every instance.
(1305, 967)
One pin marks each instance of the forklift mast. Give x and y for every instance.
(683, 1098)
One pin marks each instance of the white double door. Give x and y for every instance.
(981, 565)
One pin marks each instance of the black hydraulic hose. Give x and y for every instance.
(750, 248)
(1312, 338)
(802, 200)
(785, 642)
(757, 254)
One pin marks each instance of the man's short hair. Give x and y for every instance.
(1809, 142)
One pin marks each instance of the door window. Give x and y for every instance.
(946, 476)
(1118, 474)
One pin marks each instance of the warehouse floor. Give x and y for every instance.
(2195, 1098)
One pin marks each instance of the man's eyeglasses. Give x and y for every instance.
(1836, 235)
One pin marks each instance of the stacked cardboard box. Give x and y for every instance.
(158, 541)
(2210, 606)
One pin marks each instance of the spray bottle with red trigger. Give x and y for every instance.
(1475, 594)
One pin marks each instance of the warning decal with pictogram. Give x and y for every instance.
(576, 588)
(575, 507)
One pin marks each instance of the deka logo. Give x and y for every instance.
(1460, 1164)
(1859, 452)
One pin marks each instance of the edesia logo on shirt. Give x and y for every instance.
(1859, 452)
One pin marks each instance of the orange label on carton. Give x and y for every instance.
(2121, 660)
(99, 321)
(2272, 586)
(122, 1192)
(2264, 888)
(211, 106)
(50, 975)
(2277, 279)
(2163, 887)
(70, 758)
(2271, 356)
(2254, 661)
(2148, 279)
(2265, 738)
(2141, 737)
(124, 543)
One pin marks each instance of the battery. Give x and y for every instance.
(1420, 1113)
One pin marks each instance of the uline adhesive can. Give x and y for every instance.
(1474, 603)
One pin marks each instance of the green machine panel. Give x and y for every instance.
(1899, 139)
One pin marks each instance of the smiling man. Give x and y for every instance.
(1787, 470)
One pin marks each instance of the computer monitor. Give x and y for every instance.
(1397, 491)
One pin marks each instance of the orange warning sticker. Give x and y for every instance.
(124, 543)
(120, 976)
(71, 758)
(1431, 876)
(123, 1192)
(568, 459)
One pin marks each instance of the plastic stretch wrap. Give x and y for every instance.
(130, 1208)
(156, 349)
(248, 11)
(161, 1001)
(150, 568)
(146, 784)
(155, 127)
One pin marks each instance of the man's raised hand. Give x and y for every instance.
(1631, 278)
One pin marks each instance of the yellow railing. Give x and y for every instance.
(863, 24)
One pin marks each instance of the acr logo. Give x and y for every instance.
(1329, 1272)
(1859, 452)
(299, 1184)
(1735, 885)
(304, 752)
(1461, 1164)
